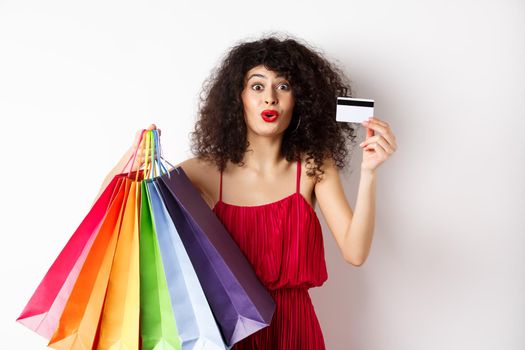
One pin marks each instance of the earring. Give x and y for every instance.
(299, 122)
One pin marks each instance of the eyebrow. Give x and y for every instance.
(263, 76)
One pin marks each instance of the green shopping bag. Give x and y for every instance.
(157, 322)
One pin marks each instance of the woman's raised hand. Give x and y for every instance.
(379, 145)
(138, 143)
(123, 164)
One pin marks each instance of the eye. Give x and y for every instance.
(285, 85)
(254, 87)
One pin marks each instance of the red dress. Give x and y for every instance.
(283, 242)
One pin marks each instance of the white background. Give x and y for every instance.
(447, 268)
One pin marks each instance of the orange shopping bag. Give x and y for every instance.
(79, 321)
(119, 326)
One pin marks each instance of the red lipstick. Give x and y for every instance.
(269, 115)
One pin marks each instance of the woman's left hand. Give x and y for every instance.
(380, 143)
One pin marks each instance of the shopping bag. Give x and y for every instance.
(79, 321)
(195, 322)
(107, 302)
(119, 324)
(120, 319)
(158, 328)
(43, 310)
(239, 301)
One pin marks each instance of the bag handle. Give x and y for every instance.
(160, 158)
(146, 148)
(158, 149)
(133, 156)
(154, 164)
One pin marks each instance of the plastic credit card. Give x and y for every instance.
(354, 110)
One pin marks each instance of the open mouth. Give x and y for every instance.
(269, 115)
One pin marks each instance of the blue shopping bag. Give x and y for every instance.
(195, 322)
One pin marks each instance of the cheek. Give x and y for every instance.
(290, 102)
(249, 103)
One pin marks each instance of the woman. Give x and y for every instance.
(268, 148)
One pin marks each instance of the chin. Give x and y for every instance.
(267, 131)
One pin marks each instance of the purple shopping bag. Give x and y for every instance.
(239, 301)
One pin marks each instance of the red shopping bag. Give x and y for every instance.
(43, 310)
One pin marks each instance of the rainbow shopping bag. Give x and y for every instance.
(150, 267)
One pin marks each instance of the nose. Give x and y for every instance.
(271, 97)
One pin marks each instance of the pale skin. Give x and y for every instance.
(267, 177)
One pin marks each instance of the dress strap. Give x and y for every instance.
(220, 189)
(298, 185)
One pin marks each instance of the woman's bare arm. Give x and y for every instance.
(354, 231)
(123, 162)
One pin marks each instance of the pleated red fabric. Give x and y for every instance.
(283, 242)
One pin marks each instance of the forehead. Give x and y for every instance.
(262, 72)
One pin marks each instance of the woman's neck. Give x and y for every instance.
(264, 154)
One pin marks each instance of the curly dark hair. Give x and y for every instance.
(220, 129)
